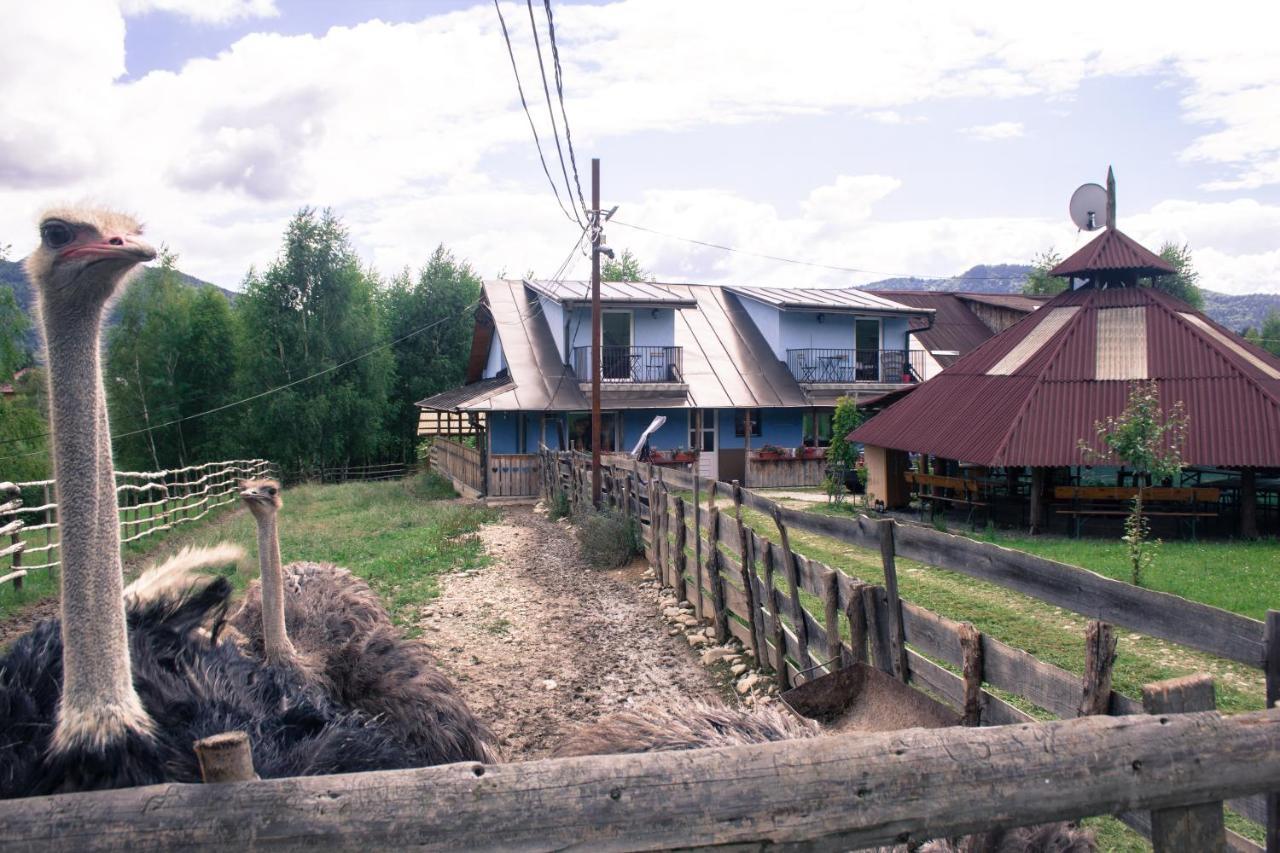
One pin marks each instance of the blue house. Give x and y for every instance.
(746, 377)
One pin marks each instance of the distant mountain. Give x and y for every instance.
(1234, 312)
(12, 275)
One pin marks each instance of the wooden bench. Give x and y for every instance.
(1191, 503)
(935, 489)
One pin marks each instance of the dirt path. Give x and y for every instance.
(539, 643)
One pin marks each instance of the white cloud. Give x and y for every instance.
(204, 11)
(397, 127)
(992, 132)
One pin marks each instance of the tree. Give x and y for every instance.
(435, 359)
(1150, 441)
(1268, 337)
(314, 309)
(842, 454)
(1039, 282)
(13, 335)
(1182, 284)
(625, 267)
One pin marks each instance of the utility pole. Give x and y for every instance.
(596, 231)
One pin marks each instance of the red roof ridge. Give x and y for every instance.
(1113, 251)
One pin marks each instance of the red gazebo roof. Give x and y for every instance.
(1028, 395)
(1113, 252)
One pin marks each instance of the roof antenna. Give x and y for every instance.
(1111, 198)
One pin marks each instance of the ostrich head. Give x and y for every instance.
(85, 255)
(262, 497)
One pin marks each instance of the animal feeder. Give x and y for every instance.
(862, 698)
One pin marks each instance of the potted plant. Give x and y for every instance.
(659, 457)
(813, 452)
(684, 454)
(769, 452)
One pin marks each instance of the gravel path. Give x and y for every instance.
(540, 643)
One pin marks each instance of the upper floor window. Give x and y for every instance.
(616, 328)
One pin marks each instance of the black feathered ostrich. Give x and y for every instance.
(329, 624)
(115, 691)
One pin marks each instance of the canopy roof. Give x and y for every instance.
(1030, 394)
(1113, 253)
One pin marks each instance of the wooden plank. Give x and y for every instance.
(1195, 827)
(712, 572)
(877, 629)
(897, 639)
(950, 687)
(831, 618)
(971, 670)
(747, 571)
(793, 584)
(679, 565)
(1271, 667)
(775, 619)
(856, 613)
(1100, 655)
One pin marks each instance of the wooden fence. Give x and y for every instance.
(502, 475)
(149, 502)
(367, 473)
(460, 463)
(794, 612)
(513, 475)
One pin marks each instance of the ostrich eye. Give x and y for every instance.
(271, 490)
(56, 234)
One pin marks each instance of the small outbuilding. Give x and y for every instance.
(1010, 415)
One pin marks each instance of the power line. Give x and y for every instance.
(261, 394)
(568, 138)
(551, 114)
(805, 263)
(523, 102)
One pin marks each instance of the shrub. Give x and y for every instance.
(559, 507)
(607, 539)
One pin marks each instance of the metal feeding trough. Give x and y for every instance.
(862, 698)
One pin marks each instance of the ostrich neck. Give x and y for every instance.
(275, 638)
(99, 702)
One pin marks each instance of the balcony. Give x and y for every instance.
(853, 366)
(634, 365)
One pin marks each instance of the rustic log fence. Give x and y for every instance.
(367, 473)
(149, 502)
(766, 588)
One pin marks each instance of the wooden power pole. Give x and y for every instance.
(594, 219)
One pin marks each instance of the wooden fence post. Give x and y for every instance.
(971, 657)
(1099, 656)
(897, 636)
(831, 618)
(713, 568)
(855, 611)
(877, 633)
(748, 575)
(225, 757)
(698, 607)
(1271, 641)
(775, 620)
(679, 564)
(1198, 827)
(801, 626)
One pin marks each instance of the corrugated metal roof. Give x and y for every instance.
(1051, 398)
(467, 397)
(955, 328)
(1113, 251)
(1013, 301)
(823, 298)
(614, 292)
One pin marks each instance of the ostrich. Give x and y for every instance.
(114, 692)
(330, 625)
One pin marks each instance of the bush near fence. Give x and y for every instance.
(753, 586)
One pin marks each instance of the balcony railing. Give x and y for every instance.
(848, 366)
(631, 364)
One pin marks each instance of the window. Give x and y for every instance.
(824, 429)
(740, 426)
(580, 431)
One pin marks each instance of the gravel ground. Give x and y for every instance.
(539, 643)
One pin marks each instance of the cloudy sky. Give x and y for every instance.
(889, 138)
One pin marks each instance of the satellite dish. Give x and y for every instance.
(1089, 207)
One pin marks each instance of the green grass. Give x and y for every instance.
(399, 535)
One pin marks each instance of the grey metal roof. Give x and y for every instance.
(614, 292)
(466, 397)
(826, 298)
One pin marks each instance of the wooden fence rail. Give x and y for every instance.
(149, 502)
(764, 584)
(835, 793)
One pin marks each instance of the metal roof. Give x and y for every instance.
(467, 397)
(613, 292)
(1028, 395)
(825, 299)
(1113, 251)
(1012, 301)
(955, 328)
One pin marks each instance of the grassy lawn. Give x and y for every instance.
(399, 535)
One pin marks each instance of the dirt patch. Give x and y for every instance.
(539, 643)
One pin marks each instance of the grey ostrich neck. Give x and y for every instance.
(99, 703)
(275, 639)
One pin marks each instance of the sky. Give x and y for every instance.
(886, 139)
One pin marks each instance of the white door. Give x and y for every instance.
(704, 439)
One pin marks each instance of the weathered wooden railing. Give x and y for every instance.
(366, 473)
(834, 793)
(149, 502)
(460, 463)
(757, 590)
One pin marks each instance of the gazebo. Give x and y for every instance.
(1025, 398)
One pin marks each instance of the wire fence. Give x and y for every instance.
(149, 502)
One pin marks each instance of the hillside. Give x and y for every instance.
(1234, 312)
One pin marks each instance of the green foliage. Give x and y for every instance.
(312, 310)
(170, 356)
(436, 359)
(625, 267)
(13, 335)
(845, 420)
(430, 486)
(23, 416)
(1149, 441)
(1268, 337)
(1039, 282)
(560, 507)
(607, 538)
(1182, 284)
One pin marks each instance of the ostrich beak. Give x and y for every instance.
(123, 247)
